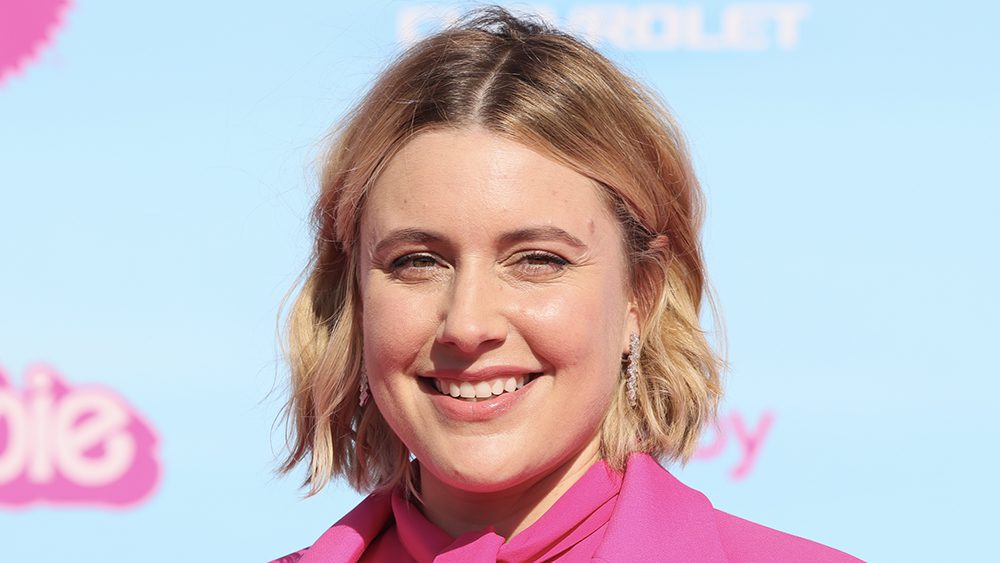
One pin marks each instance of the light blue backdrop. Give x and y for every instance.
(156, 170)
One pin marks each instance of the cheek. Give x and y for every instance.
(396, 325)
(575, 328)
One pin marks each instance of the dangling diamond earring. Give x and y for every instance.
(364, 387)
(632, 371)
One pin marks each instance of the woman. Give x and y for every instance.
(499, 333)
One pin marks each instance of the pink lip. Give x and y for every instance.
(481, 374)
(481, 410)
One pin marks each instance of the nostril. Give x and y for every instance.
(471, 320)
(471, 337)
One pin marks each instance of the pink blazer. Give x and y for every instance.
(654, 518)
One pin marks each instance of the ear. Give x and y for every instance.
(631, 326)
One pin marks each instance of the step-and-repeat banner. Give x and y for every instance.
(157, 163)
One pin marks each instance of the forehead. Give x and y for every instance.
(476, 180)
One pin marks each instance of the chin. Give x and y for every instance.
(485, 472)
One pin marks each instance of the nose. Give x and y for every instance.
(473, 319)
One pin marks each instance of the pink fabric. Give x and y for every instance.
(645, 515)
(571, 530)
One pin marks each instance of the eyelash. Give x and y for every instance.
(548, 260)
(408, 259)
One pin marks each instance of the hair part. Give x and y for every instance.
(525, 81)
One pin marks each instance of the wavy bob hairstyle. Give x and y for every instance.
(540, 87)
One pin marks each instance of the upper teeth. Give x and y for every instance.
(480, 389)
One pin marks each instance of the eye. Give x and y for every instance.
(418, 265)
(538, 263)
(414, 261)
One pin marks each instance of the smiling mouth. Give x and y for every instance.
(481, 390)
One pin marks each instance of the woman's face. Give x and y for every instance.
(495, 274)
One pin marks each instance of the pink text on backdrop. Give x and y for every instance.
(26, 27)
(78, 445)
(749, 439)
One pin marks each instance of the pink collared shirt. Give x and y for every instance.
(644, 515)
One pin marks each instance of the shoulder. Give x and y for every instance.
(743, 540)
(346, 540)
(681, 524)
(291, 557)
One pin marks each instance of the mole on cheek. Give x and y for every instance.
(590, 226)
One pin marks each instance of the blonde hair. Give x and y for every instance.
(549, 91)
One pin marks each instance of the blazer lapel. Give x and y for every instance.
(347, 539)
(658, 518)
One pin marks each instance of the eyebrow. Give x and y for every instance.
(401, 236)
(418, 236)
(541, 233)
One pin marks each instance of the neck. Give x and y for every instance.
(509, 511)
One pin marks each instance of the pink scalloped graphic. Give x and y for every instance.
(71, 445)
(26, 28)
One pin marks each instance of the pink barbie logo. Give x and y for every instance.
(748, 438)
(69, 445)
(26, 27)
